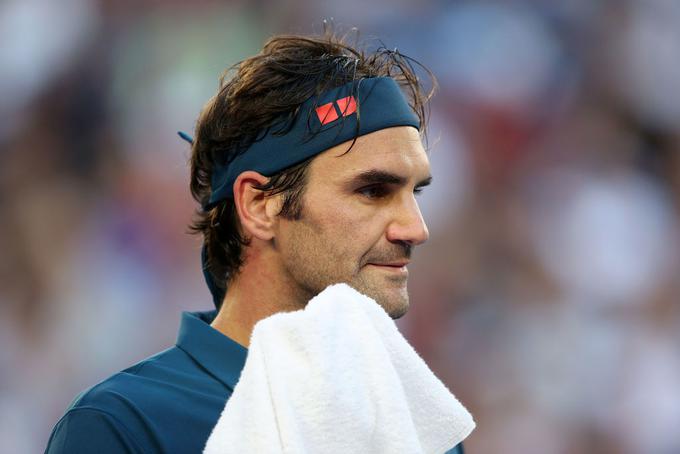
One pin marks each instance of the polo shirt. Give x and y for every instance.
(168, 403)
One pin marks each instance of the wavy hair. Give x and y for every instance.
(259, 92)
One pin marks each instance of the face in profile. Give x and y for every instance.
(360, 219)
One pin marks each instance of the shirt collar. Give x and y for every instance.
(219, 355)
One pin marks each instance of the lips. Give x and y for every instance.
(392, 264)
(392, 268)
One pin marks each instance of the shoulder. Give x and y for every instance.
(88, 429)
(122, 393)
(113, 415)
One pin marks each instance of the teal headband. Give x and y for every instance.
(336, 116)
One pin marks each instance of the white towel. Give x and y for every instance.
(337, 377)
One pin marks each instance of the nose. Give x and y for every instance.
(407, 224)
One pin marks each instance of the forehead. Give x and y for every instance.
(396, 150)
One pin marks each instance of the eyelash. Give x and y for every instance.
(376, 191)
(379, 191)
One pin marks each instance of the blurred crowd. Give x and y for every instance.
(547, 296)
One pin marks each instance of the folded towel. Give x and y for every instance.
(337, 377)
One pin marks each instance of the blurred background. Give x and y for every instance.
(547, 296)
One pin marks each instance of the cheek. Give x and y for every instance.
(354, 233)
(345, 228)
(340, 211)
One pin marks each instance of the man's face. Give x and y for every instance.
(360, 219)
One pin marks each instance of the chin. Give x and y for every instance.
(391, 296)
(397, 311)
(395, 303)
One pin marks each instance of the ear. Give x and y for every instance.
(258, 213)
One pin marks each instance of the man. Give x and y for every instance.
(306, 164)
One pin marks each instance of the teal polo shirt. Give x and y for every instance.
(168, 403)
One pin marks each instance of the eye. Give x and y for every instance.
(420, 187)
(374, 191)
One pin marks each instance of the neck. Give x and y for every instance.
(257, 292)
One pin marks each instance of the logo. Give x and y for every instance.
(330, 112)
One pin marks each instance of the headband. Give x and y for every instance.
(322, 122)
(336, 116)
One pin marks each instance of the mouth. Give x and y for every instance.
(399, 267)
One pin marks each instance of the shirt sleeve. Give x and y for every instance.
(90, 430)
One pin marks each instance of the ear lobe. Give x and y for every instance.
(257, 212)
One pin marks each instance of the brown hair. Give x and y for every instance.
(260, 91)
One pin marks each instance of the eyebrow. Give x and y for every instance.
(375, 176)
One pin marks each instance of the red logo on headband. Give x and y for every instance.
(329, 112)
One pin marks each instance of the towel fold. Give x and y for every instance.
(337, 377)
